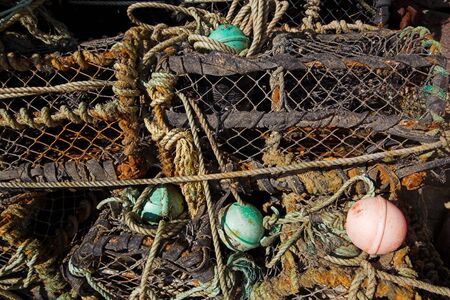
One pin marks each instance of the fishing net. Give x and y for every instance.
(301, 125)
(70, 116)
(36, 231)
(321, 262)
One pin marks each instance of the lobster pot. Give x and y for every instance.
(317, 264)
(69, 116)
(327, 97)
(114, 256)
(37, 229)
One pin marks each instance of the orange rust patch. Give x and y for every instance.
(414, 181)
(399, 257)
(276, 98)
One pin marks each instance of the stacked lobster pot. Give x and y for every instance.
(332, 102)
(64, 117)
(317, 15)
(321, 97)
(37, 230)
(70, 116)
(295, 136)
(251, 161)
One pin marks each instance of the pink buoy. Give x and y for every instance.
(375, 225)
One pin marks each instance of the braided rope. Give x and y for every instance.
(6, 93)
(212, 142)
(209, 204)
(298, 167)
(151, 256)
(108, 111)
(97, 286)
(8, 295)
(185, 161)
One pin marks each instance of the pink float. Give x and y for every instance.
(375, 225)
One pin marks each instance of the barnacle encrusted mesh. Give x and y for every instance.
(70, 116)
(36, 231)
(113, 258)
(318, 97)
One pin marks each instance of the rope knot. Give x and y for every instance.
(157, 34)
(160, 88)
(171, 138)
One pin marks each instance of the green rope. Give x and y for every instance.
(16, 260)
(144, 289)
(252, 273)
(98, 287)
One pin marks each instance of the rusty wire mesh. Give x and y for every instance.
(317, 97)
(69, 134)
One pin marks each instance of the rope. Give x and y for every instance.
(15, 260)
(76, 86)
(209, 204)
(7, 295)
(253, 18)
(109, 111)
(212, 142)
(25, 13)
(402, 281)
(151, 257)
(296, 217)
(302, 166)
(185, 161)
(209, 289)
(97, 286)
(134, 222)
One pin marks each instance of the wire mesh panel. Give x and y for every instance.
(70, 116)
(36, 231)
(317, 97)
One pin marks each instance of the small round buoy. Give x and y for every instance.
(375, 225)
(152, 209)
(231, 36)
(241, 226)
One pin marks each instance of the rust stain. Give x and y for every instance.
(414, 181)
(399, 257)
(276, 98)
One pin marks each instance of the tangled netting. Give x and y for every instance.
(37, 230)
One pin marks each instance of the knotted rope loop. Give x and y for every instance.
(160, 88)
